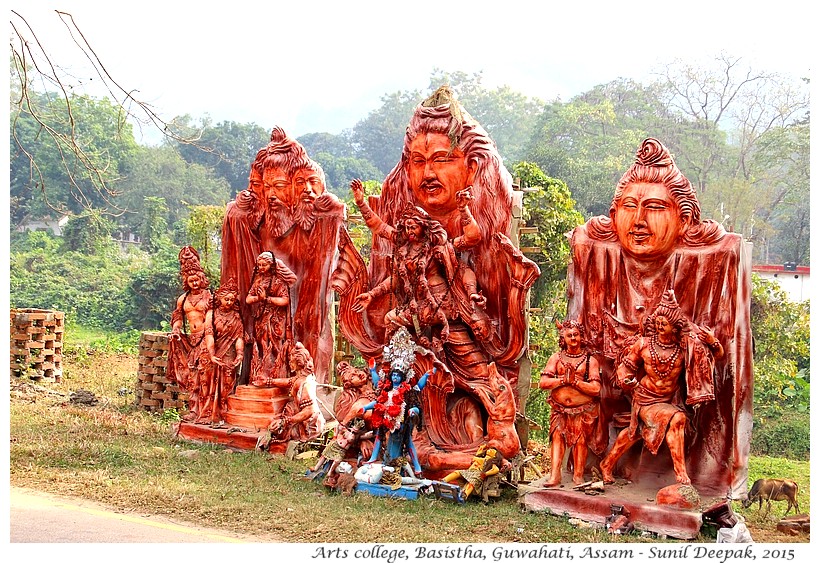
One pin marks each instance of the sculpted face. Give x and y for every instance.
(396, 378)
(663, 326)
(413, 230)
(647, 220)
(572, 337)
(263, 265)
(278, 184)
(193, 282)
(226, 301)
(436, 174)
(255, 183)
(308, 184)
(482, 329)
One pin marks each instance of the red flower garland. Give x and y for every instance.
(388, 412)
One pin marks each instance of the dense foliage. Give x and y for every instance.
(91, 288)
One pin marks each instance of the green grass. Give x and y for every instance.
(128, 458)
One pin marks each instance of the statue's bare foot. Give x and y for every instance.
(683, 479)
(606, 474)
(552, 482)
(577, 479)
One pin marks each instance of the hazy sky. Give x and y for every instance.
(323, 65)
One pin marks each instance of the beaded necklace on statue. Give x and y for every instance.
(568, 363)
(663, 366)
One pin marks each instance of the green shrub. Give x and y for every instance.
(787, 435)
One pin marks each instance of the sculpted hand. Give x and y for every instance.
(479, 299)
(362, 302)
(357, 188)
(629, 383)
(464, 197)
(707, 335)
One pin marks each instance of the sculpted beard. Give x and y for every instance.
(279, 219)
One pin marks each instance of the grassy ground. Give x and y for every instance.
(129, 459)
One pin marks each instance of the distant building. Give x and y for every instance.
(793, 279)
(126, 239)
(55, 226)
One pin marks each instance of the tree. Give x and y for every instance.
(379, 137)
(727, 95)
(228, 148)
(88, 233)
(339, 171)
(508, 116)
(588, 144)
(338, 146)
(548, 206)
(781, 331)
(204, 232)
(61, 153)
(152, 290)
(153, 227)
(66, 160)
(45, 273)
(161, 172)
(781, 167)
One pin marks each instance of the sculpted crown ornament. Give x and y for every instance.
(401, 352)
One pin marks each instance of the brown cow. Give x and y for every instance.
(773, 489)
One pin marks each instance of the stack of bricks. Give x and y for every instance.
(155, 390)
(37, 344)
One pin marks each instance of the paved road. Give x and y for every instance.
(38, 517)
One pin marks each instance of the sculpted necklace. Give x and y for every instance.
(568, 364)
(663, 366)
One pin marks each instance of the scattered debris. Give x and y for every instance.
(83, 397)
(795, 525)
(618, 521)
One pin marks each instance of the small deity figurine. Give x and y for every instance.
(301, 419)
(269, 294)
(189, 360)
(486, 463)
(573, 378)
(397, 408)
(226, 347)
(671, 357)
(337, 449)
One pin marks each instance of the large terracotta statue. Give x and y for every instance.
(443, 267)
(287, 211)
(269, 295)
(188, 357)
(672, 359)
(226, 346)
(429, 285)
(654, 240)
(573, 378)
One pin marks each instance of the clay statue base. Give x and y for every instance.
(229, 436)
(636, 499)
(250, 410)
